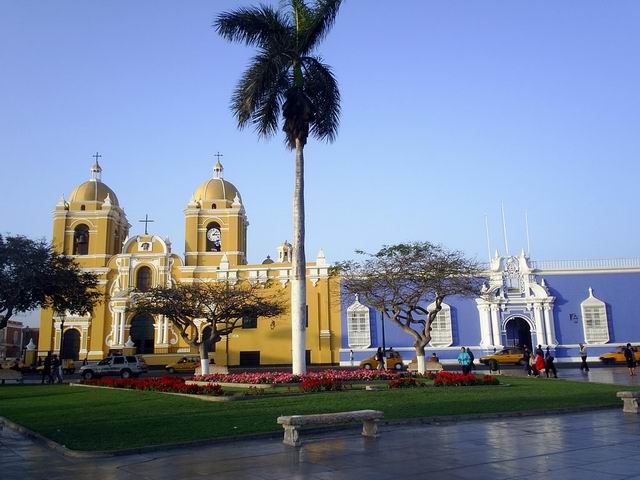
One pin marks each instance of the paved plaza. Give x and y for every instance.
(599, 445)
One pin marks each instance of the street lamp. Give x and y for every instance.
(384, 344)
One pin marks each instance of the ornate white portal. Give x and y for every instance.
(514, 292)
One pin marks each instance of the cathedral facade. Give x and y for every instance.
(92, 227)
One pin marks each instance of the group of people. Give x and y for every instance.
(51, 369)
(466, 359)
(538, 361)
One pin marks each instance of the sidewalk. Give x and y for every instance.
(599, 445)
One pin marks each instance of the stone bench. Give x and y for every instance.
(630, 400)
(291, 424)
(8, 375)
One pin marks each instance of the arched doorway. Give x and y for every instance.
(71, 344)
(142, 333)
(518, 333)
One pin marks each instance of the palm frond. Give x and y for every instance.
(258, 90)
(321, 87)
(256, 26)
(324, 15)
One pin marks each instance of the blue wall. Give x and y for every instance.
(619, 291)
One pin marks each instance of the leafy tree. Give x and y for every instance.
(33, 274)
(286, 77)
(403, 280)
(191, 308)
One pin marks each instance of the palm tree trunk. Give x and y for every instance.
(298, 284)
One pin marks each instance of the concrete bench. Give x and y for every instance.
(630, 400)
(7, 375)
(291, 424)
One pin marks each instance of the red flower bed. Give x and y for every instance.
(452, 379)
(275, 378)
(158, 384)
(403, 382)
(317, 384)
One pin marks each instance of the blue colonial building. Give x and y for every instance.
(558, 304)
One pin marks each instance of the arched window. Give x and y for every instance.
(358, 325)
(441, 331)
(594, 320)
(213, 206)
(214, 237)
(143, 279)
(82, 207)
(81, 240)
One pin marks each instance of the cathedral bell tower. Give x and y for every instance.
(215, 224)
(90, 226)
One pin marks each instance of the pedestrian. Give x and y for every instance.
(539, 362)
(434, 358)
(549, 366)
(464, 360)
(46, 369)
(526, 359)
(630, 358)
(380, 358)
(351, 357)
(471, 359)
(56, 368)
(584, 367)
(86, 359)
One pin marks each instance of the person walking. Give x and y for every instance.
(464, 360)
(46, 369)
(380, 358)
(56, 367)
(630, 358)
(539, 362)
(526, 359)
(472, 358)
(584, 367)
(549, 366)
(351, 357)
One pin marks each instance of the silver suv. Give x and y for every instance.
(125, 366)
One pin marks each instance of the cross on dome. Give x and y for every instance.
(96, 169)
(218, 169)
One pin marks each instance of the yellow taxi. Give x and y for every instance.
(512, 355)
(184, 365)
(618, 357)
(394, 362)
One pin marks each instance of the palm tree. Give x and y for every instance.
(285, 77)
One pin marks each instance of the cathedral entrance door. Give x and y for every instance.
(71, 344)
(142, 333)
(518, 333)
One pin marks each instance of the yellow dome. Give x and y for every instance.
(93, 191)
(216, 189)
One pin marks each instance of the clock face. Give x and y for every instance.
(213, 234)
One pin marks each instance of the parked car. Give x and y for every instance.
(124, 366)
(394, 362)
(618, 356)
(185, 364)
(514, 355)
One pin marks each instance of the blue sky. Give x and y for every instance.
(449, 109)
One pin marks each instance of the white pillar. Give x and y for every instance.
(121, 339)
(486, 332)
(165, 330)
(540, 333)
(550, 327)
(495, 325)
(114, 328)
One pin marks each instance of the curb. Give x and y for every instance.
(277, 434)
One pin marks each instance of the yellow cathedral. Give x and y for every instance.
(92, 227)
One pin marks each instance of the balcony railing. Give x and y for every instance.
(591, 264)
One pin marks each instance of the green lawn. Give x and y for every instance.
(100, 419)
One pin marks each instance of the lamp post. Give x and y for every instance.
(384, 344)
(62, 319)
